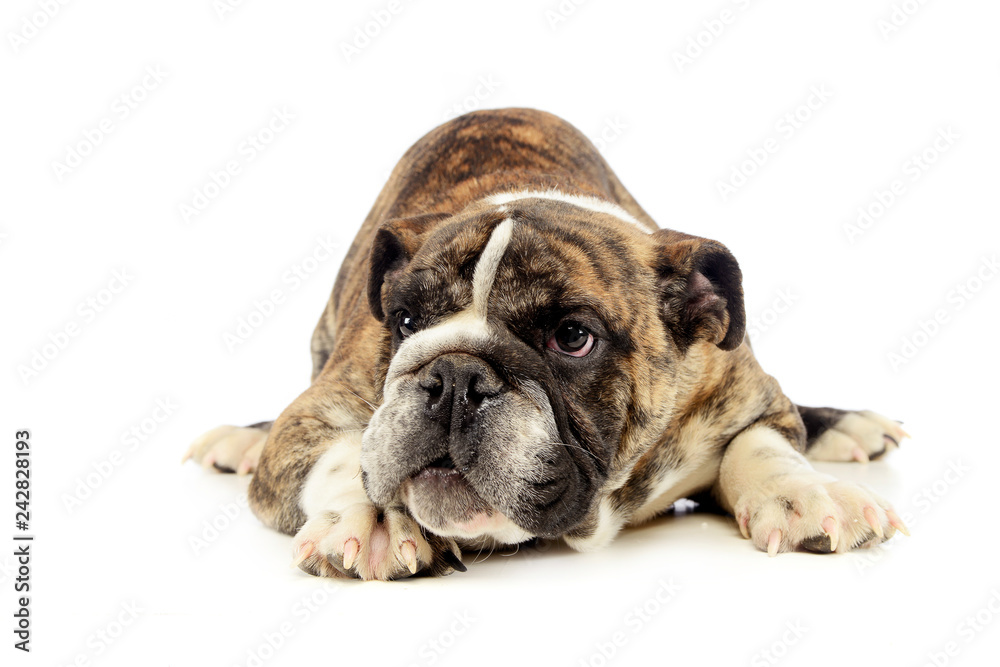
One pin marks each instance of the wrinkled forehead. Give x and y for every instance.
(518, 259)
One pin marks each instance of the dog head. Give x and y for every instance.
(529, 354)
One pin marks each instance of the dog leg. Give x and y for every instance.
(782, 504)
(846, 435)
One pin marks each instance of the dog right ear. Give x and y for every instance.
(701, 290)
(396, 241)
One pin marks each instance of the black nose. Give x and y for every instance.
(458, 386)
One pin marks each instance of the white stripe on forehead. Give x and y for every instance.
(580, 201)
(486, 267)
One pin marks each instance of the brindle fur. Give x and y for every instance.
(454, 165)
(664, 407)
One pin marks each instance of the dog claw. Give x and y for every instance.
(897, 523)
(409, 552)
(743, 521)
(859, 455)
(454, 560)
(351, 548)
(873, 521)
(773, 542)
(302, 553)
(829, 526)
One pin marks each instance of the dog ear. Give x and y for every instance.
(396, 241)
(701, 290)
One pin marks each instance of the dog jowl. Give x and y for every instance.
(513, 350)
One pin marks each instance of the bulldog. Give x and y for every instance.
(514, 350)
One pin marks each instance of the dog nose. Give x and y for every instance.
(457, 386)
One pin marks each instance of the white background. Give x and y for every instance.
(672, 131)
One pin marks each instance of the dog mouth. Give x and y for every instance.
(442, 480)
(443, 464)
(441, 498)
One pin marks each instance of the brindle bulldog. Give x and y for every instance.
(514, 350)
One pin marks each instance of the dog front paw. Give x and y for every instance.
(364, 543)
(842, 435)
(230, 448)
(822, 517)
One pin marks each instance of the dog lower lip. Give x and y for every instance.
(441, 478)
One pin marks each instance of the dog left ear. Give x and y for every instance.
(396, 241)
(701, 290)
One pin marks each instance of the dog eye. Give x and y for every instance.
(407, 325)
(573, 339)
